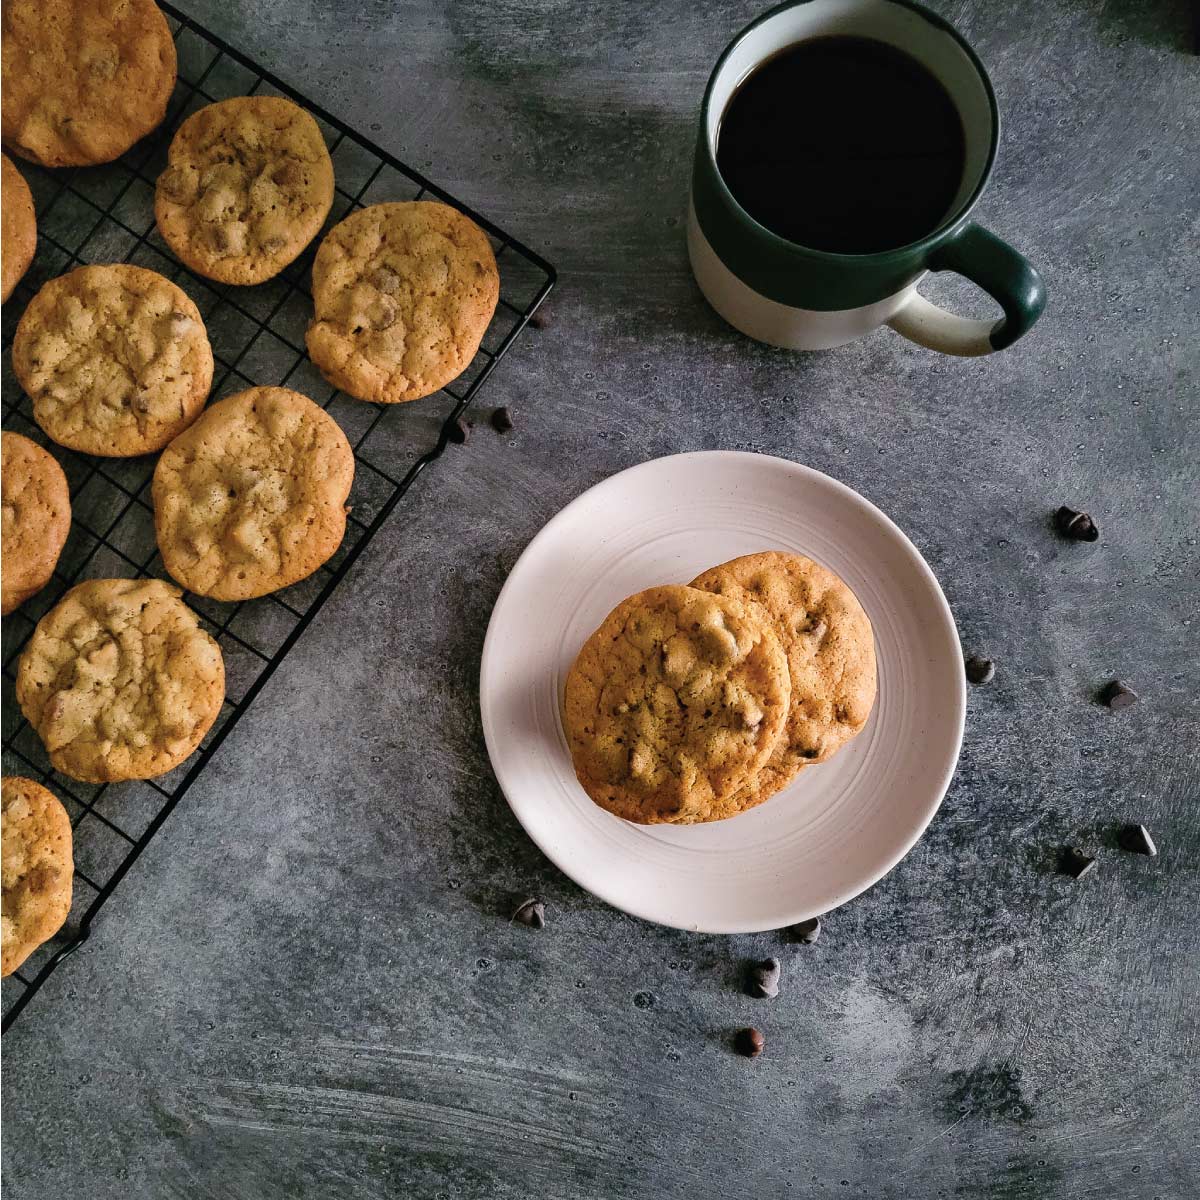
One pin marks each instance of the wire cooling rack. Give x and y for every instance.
(106, 214)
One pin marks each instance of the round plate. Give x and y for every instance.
(840, 825)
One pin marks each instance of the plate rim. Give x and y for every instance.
(944, 612)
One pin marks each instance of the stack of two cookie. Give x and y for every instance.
(694, 703)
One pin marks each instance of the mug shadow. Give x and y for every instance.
(1167, 24)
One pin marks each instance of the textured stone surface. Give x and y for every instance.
(309, 985)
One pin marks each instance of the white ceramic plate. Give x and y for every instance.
(841, 825)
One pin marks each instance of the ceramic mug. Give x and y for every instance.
(803, 299)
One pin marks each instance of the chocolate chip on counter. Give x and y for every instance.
(762, 980)
(807, 931)
(980, 670)
(749, 1042)
(1118, 695)
(1077, 864)
(1137, 840)
(539, 320)
(530, 912)
(1077, 526)
(502, 420)
(460, 431)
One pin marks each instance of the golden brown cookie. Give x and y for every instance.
(37, 868)
(120, 681)
(252, 497)
(37, 518)
(248, 185)
(83, 79)
(830, 651)
(673, 704)
(403, 294)
(18, 227)
(115, 358)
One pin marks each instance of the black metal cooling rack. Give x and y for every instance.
(106, 214)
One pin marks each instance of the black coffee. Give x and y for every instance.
(843, 144)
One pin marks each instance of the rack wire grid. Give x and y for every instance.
(106, 214)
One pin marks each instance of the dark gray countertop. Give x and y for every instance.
(308, 985)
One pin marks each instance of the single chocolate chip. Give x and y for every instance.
(762, 980)
(539, 319)
(980, 670)
(749, 1042)
(502, 420)
(807, 931)
(460, 431)
(1137, 840)
(530, 912)
(1118, 695)
(1076, 863)
(1077, 526)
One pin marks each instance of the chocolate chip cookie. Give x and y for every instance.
(403, 294)
(37, 518)
(253, 496)
(674, 704)
(248, 185)
(119, 680)
(37, 868)
(115, 358)
(18, 227)
(830, 652)
(83, 79)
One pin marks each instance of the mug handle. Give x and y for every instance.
(1008, 277)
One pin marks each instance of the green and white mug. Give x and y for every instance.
(803, 299)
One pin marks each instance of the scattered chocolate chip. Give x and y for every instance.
(1118, 695)
(460, 431)
(807, 931)
(1077, 864)
(762, 980)
(1137, 840)
(749, 1042)
(980, 670)
(530, 912)
(502, 420)
(1076, 525)
(539, 319)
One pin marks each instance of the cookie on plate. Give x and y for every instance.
(83, 79)
(248, 185)
(37, 518)
(119, 680)
(37, 868)
(115, 358)
(830, 651)
(18, 227)
(402, 295)
(252, 497)
(674, 703)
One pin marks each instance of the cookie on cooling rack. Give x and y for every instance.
(403, 294)
(252, 497)
(37, 868)
(674, 704)
(18, 227)
(37, 518)
(82, 80)
(115, 358)
(248, 185)
(119, 680)
(830, 651)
